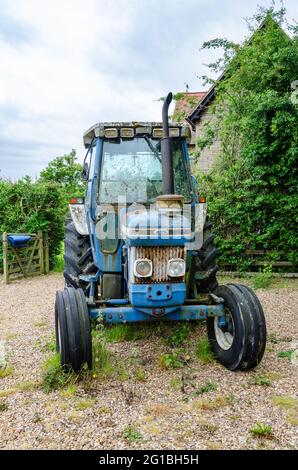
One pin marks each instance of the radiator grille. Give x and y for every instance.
(159, 256)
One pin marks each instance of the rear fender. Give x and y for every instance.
(78, 215)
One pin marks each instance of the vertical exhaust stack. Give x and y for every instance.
(169, 200)
(166, 150)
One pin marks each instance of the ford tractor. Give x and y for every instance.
(139, 248)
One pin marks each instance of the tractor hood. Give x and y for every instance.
(157, 227)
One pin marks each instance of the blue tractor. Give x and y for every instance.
(139, 248)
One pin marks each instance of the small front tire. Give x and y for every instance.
(238, 342)
(73, 330)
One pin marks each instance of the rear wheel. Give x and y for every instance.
(73, 331)
(77, 257)
(238, 339)
(205, 262)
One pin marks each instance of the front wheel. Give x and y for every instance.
(238, 339)
(73, 331)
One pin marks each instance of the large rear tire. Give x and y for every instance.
(77, 257)
(239, 342)
(73, 331)
(205, 263)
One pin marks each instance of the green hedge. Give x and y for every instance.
(26, 206)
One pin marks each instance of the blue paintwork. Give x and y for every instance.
(154, 220)
(131, 314)
(157, 295)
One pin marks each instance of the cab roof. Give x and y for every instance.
(133, 129)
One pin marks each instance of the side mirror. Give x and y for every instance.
(85, 171)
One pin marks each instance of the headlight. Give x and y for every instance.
(176, 267)
(143, 268)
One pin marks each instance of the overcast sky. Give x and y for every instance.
(66, 64)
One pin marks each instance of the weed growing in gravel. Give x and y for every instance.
(131, 433)
(272, 338)
(140, 375)
(27, 386)
(287, 402)
(54, 376)
(8, 392)
(262, 380)
(3, 406)
(101, 355)
(207, 404)
(171, 361)
(207, 387)
(69, 392)
(204, 352)
(176, 383)
(179, 335)
(5, 371)
(287, 354)
(40, 324)
(84, 404)
(262, 430)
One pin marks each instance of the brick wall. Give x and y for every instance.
(208, 155)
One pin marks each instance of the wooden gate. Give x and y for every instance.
(29, 260)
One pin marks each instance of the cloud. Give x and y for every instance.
(67, 64)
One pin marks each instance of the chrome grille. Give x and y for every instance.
(159, 256)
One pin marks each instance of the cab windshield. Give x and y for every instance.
(132, 168)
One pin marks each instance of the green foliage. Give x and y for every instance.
(204, 352)
(252, 191)
(66, 172)
(27, 207)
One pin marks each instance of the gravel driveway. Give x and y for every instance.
(154, 408)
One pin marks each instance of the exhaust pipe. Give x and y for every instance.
(166, 150)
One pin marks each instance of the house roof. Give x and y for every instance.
(203, 103)
(186, 104)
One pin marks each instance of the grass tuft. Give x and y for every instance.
(140, 375)
(3, 406)
(124, 332)
(84, 404)
(5, 371)
(287, 354)
(262, 380)
(262, 280)
(204, 352)
(54, 376)
(207, 387)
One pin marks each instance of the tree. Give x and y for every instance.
(67, 172)
(252, 191)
